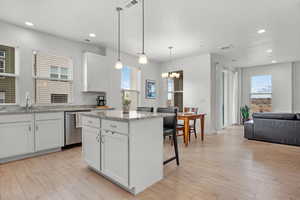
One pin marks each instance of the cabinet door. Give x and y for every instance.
(16, 139)
(91, 146)
(96, 72)
(114, 155)
(48, 134)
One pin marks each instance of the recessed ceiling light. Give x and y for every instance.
(261, 31)
(29, 23)
(269, 51)
(274, 61)
(92, 35)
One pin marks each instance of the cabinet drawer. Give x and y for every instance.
(49, 116)
(16, 118)
(90, 121)
(115, 126)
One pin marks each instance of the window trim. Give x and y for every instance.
(15, 75)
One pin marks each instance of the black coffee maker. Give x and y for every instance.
(101, 100)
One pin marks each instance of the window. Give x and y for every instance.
(54, 72)
(2, 97)
(7, 75)
(261, 93)
(2, 61)
(175, 91)
(59, 73)
(170, 92)
(53, 80)
(130, 85)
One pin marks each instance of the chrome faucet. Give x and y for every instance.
(28, 102)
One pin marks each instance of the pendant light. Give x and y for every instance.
(119, 64)
(143, 58)
(170, 74)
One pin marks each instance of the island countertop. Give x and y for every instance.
(118, 115)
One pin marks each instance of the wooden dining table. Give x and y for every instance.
(186, 117)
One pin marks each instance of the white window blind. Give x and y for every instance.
(53, 79)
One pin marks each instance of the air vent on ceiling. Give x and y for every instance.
(130, 3)
(226, 47)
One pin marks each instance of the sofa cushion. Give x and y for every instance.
(298, 116)
(283, 116)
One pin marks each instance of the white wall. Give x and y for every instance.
(27, 40)
(296, 87)
(226, 98)
(196, 84)
(282, 96)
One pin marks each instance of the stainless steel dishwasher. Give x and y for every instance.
(72, 133)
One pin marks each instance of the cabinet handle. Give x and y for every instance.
(37, 127)
(90, 122)
(29, 128)
(102, 139)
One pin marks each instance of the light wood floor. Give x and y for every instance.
(225, 166)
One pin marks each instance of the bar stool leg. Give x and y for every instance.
(176, 147)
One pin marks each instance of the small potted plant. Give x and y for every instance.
(245, 113)
(126, 105)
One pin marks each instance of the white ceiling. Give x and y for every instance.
(191, 26)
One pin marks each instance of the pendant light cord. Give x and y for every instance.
(119, 34)
(143, 16)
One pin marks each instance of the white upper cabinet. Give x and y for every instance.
(96, 73)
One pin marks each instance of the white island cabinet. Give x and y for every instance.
(126, 149)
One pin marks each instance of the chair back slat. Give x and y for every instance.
(145, 109)
(191, 109)
(170, 121)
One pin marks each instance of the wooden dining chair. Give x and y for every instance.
(170, 123)
(180, 127)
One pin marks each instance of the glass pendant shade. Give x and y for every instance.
(143, 59)
(118, 65)
(165, 75)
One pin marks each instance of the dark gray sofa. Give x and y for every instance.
(283, 128)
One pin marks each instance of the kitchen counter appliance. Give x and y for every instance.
(73, 132)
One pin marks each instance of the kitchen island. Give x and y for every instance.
(127, 149)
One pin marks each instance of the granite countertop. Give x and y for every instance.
(41, 109)
(118, 115)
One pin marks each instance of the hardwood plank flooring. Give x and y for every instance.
(223, 167)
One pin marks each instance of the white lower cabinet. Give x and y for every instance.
(16, 139)
(49, 130)
(48, 134)
(91, 146)
(22, 134)
(114, 156)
